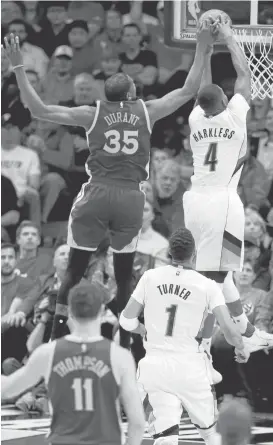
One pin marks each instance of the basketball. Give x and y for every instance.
(215, 13)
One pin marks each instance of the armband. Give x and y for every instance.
(129, 324)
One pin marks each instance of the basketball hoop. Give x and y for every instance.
(257, 45)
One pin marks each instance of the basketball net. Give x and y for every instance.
(257, 47)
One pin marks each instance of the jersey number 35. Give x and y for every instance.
(127, 142)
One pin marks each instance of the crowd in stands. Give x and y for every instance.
(69, 50)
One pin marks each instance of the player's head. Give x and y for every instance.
(120, 87)
(182, 246)
(235, 422)
(85, 301)
(212, 99)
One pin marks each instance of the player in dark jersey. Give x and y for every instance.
(86, 376)
(118, 132)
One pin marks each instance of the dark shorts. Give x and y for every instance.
(102, 209)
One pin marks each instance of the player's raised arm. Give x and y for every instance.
(168, 104)
(243, 81)
(29, 375)
(129, 317)
(130, 398)
(78, 116)
(222, 315)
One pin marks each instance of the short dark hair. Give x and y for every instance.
(131, 25)
(182, 245)
(117, 87)
(208, 97)
(21, 5)
(27, 223)
(8, 246)
(56, 4)
(18, 22)
(86, 299)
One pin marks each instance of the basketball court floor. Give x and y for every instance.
(20, 429)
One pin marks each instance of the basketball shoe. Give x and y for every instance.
(259, 340)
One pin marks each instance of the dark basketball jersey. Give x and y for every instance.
(83, 394)
(119, 142)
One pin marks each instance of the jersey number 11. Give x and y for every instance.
(211, 157)
(83, 394)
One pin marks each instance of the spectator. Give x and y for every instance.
(58, 84)
(83, 60)
(49, 142)
(54, 31)
(150, 243)
(110, 65)
(34, 57)
(111, 37)
(254, 304)
(31, 261)
(147, 189)
(15, 289)
(21, 165)
(46, 300)
(159, 156)
(168, 199)
(9, 210)
(17, 107)
(12, 10)
(254, 184)
(169, 59)
(140, 64)
(92, 12)
(33, 13)
(254, 225)
(9, 89)
(265, 148)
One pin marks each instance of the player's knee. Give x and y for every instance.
(167, 437)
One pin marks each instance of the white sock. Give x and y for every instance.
(166, 440)
(210, 436)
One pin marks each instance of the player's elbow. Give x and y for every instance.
(40, 112)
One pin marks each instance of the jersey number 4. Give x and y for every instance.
(171, 310)
(83, 394)
(211, 157)
(127, 143)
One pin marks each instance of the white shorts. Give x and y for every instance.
(216, 220)
(167, 383)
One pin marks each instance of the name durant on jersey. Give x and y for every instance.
(174, 289)
(213, 133)
(114, 118)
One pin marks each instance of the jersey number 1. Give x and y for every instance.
(171, 319)
(83, 394)
(211, 157)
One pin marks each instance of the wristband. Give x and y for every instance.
(17, 66)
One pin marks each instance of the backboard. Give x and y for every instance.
(181, 19)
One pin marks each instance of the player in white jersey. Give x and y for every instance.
(174, 373)
(213, 210)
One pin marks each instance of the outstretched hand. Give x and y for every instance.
(12, 50)
(204, 33)
(222, 29)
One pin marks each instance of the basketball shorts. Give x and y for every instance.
(106, 209)
(216, 221)
(167, 383)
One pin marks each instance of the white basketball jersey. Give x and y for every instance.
(219, 144)
(176, 302)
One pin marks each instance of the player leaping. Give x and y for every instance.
(213, 210)
(118, 131)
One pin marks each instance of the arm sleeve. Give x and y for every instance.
(215, 295)
(238, 106)
(34, 166)
(139, 293)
